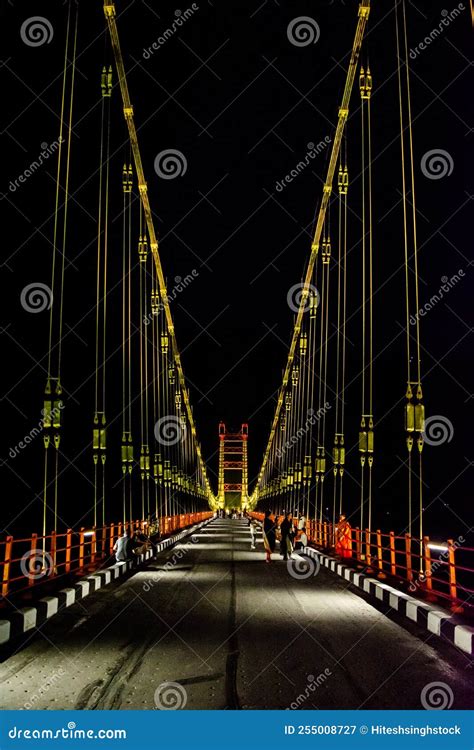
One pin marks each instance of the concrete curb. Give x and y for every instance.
(431, 617)
(28, 618)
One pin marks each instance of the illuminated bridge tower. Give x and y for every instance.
(233, 468)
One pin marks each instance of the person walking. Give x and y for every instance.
(253, 532)
(287, 534)
(268, 535)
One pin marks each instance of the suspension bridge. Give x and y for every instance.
(196, 609)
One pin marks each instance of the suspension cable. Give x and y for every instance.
(366, 431)
(414, 407)
(99, 419)
(363, 14)
(110, 15)
(53, 403)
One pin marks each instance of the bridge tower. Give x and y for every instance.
(233, 467)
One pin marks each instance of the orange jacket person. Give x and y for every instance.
(343, 537)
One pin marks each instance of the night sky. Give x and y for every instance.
(241, 103)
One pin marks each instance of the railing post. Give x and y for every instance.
(427, 561)
(93, 545)
(393, 564)
(81, 548)
(6, 566)
(111, 538)
(53, 552)
(381, 573)
(453, 592)
(67, 566)
(368, 551)
(408, 557)
(33, 550)
(452, 570)
(358, 543)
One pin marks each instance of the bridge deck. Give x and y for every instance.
(233, 632)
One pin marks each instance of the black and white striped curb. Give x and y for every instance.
(27, 618)
(431, 617)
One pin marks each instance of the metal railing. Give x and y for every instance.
(33, 561)
(437, 569)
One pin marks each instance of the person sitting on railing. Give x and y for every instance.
(141, 544)
(301, 539)
(123, 548)
(343, 537)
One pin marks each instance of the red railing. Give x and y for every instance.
(436, 569)
(34, 561)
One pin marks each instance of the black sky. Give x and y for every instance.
(241, 102)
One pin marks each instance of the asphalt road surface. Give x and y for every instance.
(210, 625)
